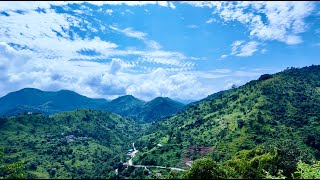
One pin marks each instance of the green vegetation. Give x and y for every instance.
(306, 171)
(268, 128)
(158, 108)
(76, 144)
(132, 107)
(11, 171)
(284, 106)
(37, 101)
(205, 168)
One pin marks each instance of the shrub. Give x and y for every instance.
(205, 168)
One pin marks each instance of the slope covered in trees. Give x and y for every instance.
(158, 108)
(35, 100)
(47, 102)
(267, 128)
(283, 107)
(76, 144)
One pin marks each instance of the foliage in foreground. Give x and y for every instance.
(11, 171)
(77, 144)
(258, 163)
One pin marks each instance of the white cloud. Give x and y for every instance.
(161, 82)
(129, 32)
(128, 3)
(163, 3)
(23, 5)
(172, 5)
(115, 70)
(248, 49)
(42, 35)
(20, 69)
(116, 65)
(221, 71)
(223, 56)
(202, 4)
(104, 80)
(268, 20)
(139, 35)
(211, 20)
(109, 11)
(53, 61)
(263, 51)
(242, 49)
(193, 26)
(26, 6)
(48, 44)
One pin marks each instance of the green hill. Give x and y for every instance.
(35, 100)
(125, 105)
(273, 109)
(76, 144)
(158, 108)
(269, 127)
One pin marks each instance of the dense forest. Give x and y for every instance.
(267, 128)
(76, 144)
(275, 117)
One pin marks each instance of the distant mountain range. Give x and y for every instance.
(47, 102)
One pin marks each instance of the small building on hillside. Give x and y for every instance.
(125, 165)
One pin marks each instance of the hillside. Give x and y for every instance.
(125, 105)
(46, 102)
(158, 108)
(283, 107)
(75, 144)
(35, 100)
(272, 124)
(129, 106)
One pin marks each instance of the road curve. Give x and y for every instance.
(161, 167)
(133, 154)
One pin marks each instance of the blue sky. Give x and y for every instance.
(181, 50)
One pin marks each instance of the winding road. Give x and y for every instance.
(133, 154)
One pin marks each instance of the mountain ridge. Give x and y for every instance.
(273, 108)
(50, 102)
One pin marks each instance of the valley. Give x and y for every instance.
(267, 128)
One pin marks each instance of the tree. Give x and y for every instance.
(251, 164)
(205, 168)
(11, 171)
(306, 171)
(178, 137)
(264, 77)
(289, 154)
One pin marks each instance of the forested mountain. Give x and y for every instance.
(283, 107)
(130, 106)
(267, 128)
(76, 144)
(158, 108)
(125, 105)
(35, 100)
